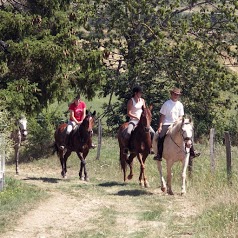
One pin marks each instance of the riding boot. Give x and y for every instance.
(194, 153)
(160, 149)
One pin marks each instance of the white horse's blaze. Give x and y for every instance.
(23, 126)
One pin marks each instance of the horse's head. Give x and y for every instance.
(187, 132)
(88, 122)
(145, 119)
(22, 122)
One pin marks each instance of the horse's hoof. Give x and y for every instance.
(81, 178)
(141, 184)
(163, 189)
(170, 193)
(86, 179)
(147, 185)
(130, 177)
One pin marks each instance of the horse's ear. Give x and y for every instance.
(151, 107)
(86, 112)
(94, 113)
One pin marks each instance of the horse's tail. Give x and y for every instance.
(123, 163)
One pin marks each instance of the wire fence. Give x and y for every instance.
(2, 162)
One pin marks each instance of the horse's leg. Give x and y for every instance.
(169, 177)
(63, 160)
(142, 170)
(86, 178)
(146, 183)
(82, 165)
(185, 165)
(130, 163)
(17, 150)
(190, 167)
(123, 163)
(163, 184)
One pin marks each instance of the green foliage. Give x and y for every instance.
(5, 128)
(19, 97)
(41, 133)
(54, 47)
(44, 49)
(180, 44)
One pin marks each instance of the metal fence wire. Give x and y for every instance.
(2, 162)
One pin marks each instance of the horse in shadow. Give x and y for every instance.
(177, 144)
(80, 142)
(139, 145)
(18, 135)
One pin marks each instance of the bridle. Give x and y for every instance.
(22, 131)
(185, 139)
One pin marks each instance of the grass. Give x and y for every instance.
(209, 208)
(15, 199)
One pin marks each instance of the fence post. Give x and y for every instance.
(99, 138)
(2, 163)
(212, 157)
(228, 155)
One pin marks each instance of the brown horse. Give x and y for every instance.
(18, 135)
(139, 145)
(79, 142)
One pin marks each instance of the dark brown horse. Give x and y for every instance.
(139, 145)
(79, 142)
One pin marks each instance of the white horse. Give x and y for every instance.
(177, 144)
(18, 135)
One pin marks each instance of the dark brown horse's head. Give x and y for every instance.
(88, 122)
(145, 119)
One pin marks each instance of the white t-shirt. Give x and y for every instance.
(136, 109)
(172, 111)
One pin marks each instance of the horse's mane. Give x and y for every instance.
(177, 125)
(145, 111)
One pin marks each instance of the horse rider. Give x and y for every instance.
(134, 111)
(171, 111)
(77, 111)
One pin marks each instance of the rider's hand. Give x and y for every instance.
(159, 129)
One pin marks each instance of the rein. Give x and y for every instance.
(184, 140)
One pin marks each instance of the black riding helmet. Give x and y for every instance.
(137, 89)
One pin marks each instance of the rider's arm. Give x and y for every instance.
(84, 115)
(161, 121)
(72, 116)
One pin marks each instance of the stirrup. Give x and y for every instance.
(157, 157)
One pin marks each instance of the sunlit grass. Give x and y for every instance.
(212, 200)
(16, 198)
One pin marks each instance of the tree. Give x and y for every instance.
(42, 55)
(167, 43)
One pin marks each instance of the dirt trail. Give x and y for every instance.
(63, 214)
